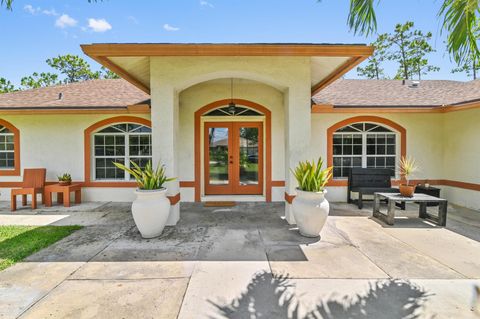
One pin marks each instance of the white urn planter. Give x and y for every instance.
(310, 210)
(150, 211)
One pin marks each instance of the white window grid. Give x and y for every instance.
(126, 157)
(7, 149)
(364, 156)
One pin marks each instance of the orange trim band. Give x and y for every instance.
(365, 118)
(289, 198)
(187, 184)
(174, 199)
(181, 49)
(278, 183)
(16, 150)
(328, 108)
(73, 111)
(268, 144)
(87, 146)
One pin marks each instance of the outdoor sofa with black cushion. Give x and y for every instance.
(367, 181)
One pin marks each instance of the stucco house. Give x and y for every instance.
(230, 120)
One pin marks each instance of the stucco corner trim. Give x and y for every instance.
(289, 198)
(175, 199)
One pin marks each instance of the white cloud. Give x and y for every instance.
(99, 25)
(132, 19)
(65, 21)
(50, 12)
(30, 9)
(204, 3)
(168, 27)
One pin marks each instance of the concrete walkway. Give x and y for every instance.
(245, 262)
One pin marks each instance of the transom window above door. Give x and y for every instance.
(366, 145)
(233, 111)
(122, 143)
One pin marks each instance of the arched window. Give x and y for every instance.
(7, 149)
(122, 143)
(367, 145)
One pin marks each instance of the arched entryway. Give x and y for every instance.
(233, 149)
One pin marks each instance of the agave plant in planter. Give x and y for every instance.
(408, 167)
(65, 179)
(310, 208)
(151, 208)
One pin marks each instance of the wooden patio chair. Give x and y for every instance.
(33, 184)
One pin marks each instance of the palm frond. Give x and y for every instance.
(460, 20)
(362, 18)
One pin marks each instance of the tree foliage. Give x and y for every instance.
(107, 74)
(73, 67)
(6, 86)
(406, 46)
(409, 48)
(37, 80)
(373, 67)
(471, 67)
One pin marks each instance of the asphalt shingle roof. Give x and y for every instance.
(119, 93)
(389, 93)
(87, 94)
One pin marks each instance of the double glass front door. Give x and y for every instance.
(233, 158)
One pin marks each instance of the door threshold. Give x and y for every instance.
(235, 198)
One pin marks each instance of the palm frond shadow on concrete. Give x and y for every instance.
(270, 296)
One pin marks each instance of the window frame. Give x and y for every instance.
(88, 158)
(126, 156)
(402, 136)
(364, 156)
(15, 170)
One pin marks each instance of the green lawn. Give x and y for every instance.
(18, 242)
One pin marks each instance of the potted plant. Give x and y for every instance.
(151, 208)
(407, 168)
(310, 208)
(65, 179)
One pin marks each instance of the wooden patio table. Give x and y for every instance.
(63, 194)
(421, 199)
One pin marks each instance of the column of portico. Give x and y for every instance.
(165, 126)
(297, 137)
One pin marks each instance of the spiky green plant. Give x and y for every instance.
(408, 167)
(311, 177)
(65, 178)
(147, 178)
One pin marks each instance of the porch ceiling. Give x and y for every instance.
(132, 61)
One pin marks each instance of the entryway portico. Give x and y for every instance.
(187, 81)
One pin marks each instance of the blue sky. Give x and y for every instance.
(36, 30)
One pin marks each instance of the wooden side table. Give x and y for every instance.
(63, 194)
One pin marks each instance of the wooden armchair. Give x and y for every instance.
(33, 184)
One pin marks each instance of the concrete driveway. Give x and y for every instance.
(245, 262)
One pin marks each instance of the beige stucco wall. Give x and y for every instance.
(446, 146)
(169, 76)
(56, 142)
(461, 161)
